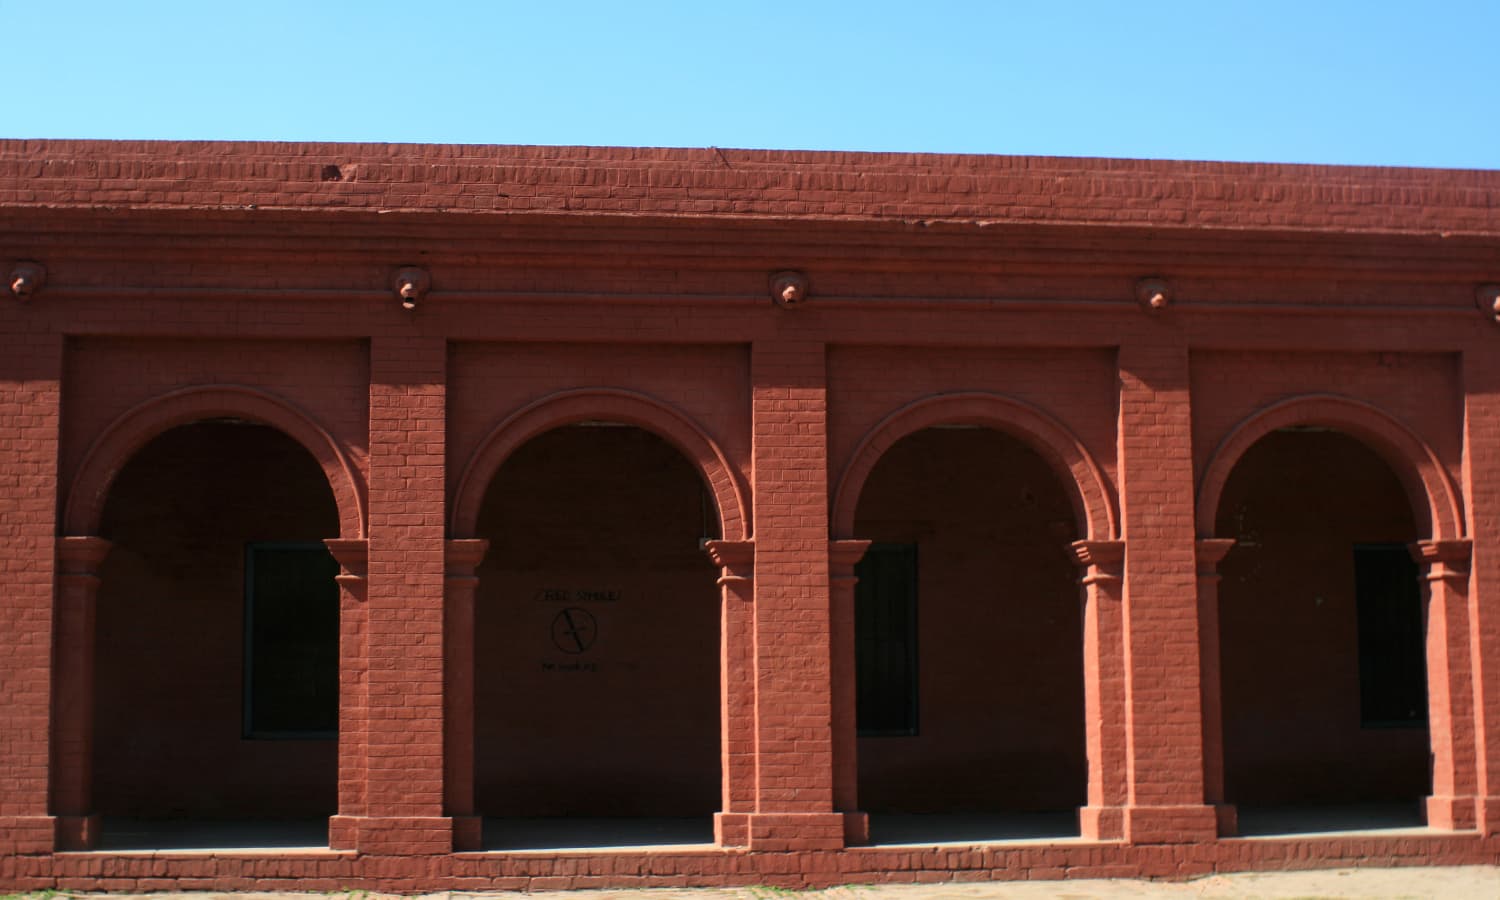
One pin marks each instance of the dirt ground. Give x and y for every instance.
(1455, 882)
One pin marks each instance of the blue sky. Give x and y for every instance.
(1329, 82)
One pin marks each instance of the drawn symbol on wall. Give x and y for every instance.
(574, 630)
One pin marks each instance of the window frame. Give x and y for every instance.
(248, 725)
(1369, 656)
(912, 686)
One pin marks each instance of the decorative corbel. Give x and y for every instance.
(1154, 294)
(27, 279)
(411, 284)
(789, 289)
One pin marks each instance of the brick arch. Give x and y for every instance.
(130, 432)
(1428, 486)
(599, 404)
(1093, 502)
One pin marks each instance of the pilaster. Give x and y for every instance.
(1450, 699)
(459, 585)
(843, 556)
(1211, 552)
(736, 562)
(352, 555)
(78, 562)
(1102, 583)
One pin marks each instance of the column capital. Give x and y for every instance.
(1443, 559)
(1211, 552)
(1102, 561)
(81, 555)
(731, 554)
(462, 557)
(735, 559)
(352, 555)
(1108, 555)
(843, 556)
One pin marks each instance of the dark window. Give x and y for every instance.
(291, 641)
(885, 627)
(1392, 659)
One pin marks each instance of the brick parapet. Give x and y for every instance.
(744, 184)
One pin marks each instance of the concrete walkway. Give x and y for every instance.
(1447, 883)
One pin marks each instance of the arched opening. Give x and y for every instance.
(1321, 636)
(596, 645)
(968, 637)
(216, 644)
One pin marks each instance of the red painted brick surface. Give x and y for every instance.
(170, 627)
(191, 281)
(1000, 700)
(1289, 631)
(603, 524)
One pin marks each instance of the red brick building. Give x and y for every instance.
(446, 517)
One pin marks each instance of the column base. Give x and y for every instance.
(30, 835)
(1229, 819)
(1487, 819)
(732, 829)
(1170, 824)
(782, 831)
(468, 832)
(1101, 823)
(77, 832)
(1451, 813)
(856, 828)
(392, 835)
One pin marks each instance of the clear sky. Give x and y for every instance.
(1373, 82)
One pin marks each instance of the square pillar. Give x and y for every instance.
(1164, 722)
(31, 363)
(793, 668)
(1481, 475)
(403, 743)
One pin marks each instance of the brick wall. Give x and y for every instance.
(1298, 503)
(170, 645)
(578, 284)
(1000, 653)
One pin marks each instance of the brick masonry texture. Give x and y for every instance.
(1123, 517)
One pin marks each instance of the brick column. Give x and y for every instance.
(352, 555)
(1210, 553)
(736, 562)
(459, 585)
(30, 413)
(794, 735)
(843, 556)
(1164, 725)
(404, 631)
(78, 562)
(1450, 699)
(1103, 819)
(1481, 375)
